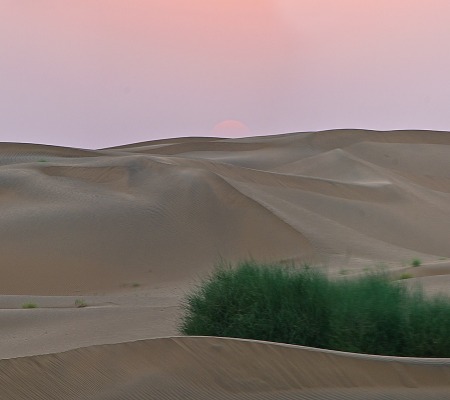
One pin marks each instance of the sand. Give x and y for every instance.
(218, 368)
(129, 230)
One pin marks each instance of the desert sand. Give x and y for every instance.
(129, 230)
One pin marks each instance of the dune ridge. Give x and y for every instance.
(206, 367)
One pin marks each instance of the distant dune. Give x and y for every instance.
(131, 228)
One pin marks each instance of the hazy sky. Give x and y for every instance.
(97, 73)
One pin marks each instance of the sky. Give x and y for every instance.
(98, 73)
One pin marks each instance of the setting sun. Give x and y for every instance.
(231, 128)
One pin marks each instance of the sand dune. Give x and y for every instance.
(81, 221)
(215, 368)
(130, 229)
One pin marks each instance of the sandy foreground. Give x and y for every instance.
(129, 230)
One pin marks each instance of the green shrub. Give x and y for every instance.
(80, 303)
(416, 262)
(368, 314)
(405, 276)
(29, 305)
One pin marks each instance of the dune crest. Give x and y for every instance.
(219, 368)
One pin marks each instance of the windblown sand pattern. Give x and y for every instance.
(216, 368)
(129, 229)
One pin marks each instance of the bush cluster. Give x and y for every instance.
(368, 314)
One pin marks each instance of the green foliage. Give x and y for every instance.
(368, 314)
(29, 305)
(80, 303)
(405, 276)
(416, 262)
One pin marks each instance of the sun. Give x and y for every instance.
(231, 128)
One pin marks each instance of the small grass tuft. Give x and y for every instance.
(29, 305)
(135, 284)
(416, 262)
(80, 303)
(405, 276)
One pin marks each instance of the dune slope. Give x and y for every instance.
(207, 368)
(82, 221)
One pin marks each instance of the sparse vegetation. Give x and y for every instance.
(366, 314)
(135, 284)
(80, 303)
(29, 305)
(416, 262)
(405, 276)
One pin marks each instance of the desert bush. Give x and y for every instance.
(80, 303)
(29, 305)
(416, 262)
(368, 314)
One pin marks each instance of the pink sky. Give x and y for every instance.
(96, 73)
